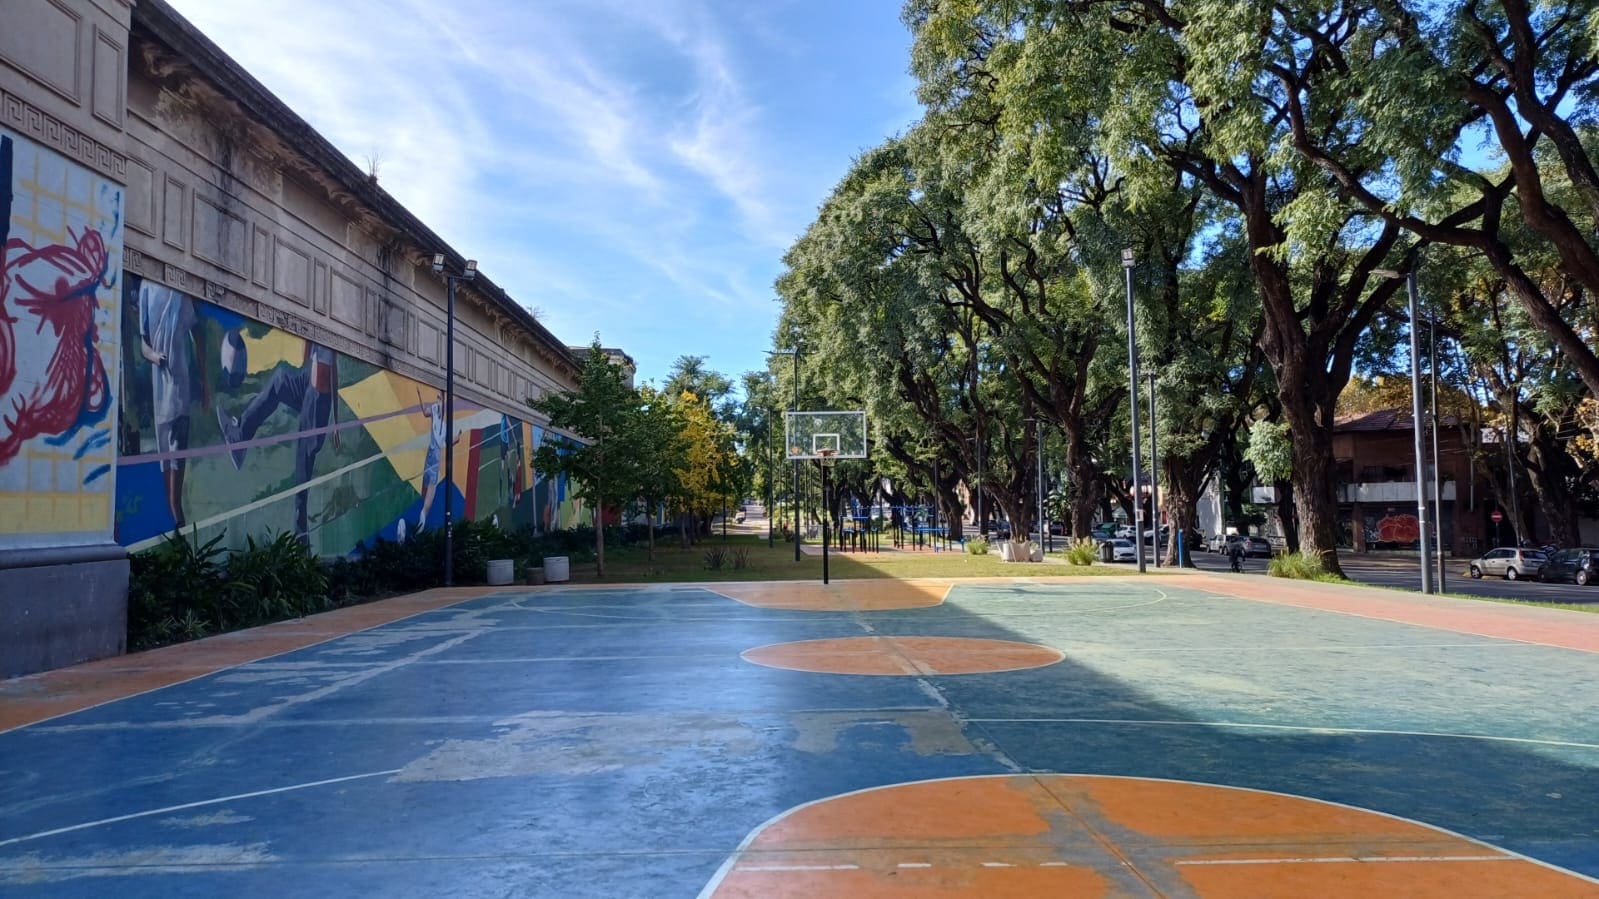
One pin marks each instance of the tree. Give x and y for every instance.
(602, 441)
(707, 466)
(661, 450)
(1386, 98)
(1187, 89)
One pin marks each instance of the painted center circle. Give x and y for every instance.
(903, 656)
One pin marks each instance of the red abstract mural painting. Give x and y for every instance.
(1399, 529)
(47, 296)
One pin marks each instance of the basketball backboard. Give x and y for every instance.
(820, 435)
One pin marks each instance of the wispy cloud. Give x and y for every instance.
(621, 165)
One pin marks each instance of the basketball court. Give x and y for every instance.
(1156, 736)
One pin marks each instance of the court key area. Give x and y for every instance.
(1158, 736)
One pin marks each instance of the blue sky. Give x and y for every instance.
(632, 168)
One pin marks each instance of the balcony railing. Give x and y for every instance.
(1372, 492)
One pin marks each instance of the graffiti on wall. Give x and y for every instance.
(232, 426)
(60, 264)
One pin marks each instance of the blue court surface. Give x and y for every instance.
(625, 742)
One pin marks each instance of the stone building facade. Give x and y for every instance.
(240, 331)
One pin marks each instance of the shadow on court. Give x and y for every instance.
(612, 741)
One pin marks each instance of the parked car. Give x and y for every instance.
(1509, 562)
(1580, 565)
(1217, 543)
(1253, 546)
(1124, 532)
(1122, 550)
(1000, 528)
(1057, 528)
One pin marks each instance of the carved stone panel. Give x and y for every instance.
(109, 76)
(292, 274)
(44, 39)
(220, 236)
(140, 197)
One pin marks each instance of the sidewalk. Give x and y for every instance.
(36, 697)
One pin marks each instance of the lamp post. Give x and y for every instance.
(977, 489)
(468, 272)
(1038, 482)
(1416, 420)
(1437, 476)
(1154, 478)
(794, 407)
(1132, 395)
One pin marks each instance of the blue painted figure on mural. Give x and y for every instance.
(308, 391)
(170, 339)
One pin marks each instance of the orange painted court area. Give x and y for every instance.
(1070, 835)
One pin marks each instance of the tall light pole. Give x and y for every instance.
(1437, 476)
(794, 407)
(1416, 420)
(1132, 395)
(1038, 483)
(977, 489)
(468, 272)
(1154, 478)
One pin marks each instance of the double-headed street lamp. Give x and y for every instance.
(468, 272)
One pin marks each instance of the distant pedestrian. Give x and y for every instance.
(1235, 553)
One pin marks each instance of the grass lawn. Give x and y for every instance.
(673, 564)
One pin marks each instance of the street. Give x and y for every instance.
(1403, 572)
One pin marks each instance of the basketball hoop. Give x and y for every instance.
(826, 455)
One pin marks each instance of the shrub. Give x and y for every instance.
(169, 588)
(741, 558)
(1299, 566)
(977, 546)
(1082, 551)
(274, 579)
(716, 557)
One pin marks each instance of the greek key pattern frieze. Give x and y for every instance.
(24, 117)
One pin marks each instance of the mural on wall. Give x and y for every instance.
(1392, 530)
(232, 426)
(60, 264)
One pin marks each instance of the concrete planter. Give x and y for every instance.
(558, 569)
(535, 575)
(501, 572)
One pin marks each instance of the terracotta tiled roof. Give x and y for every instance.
(1382, 420)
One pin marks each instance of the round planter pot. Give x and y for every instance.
(557, 569)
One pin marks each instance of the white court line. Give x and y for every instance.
(188, 805)
(1344, 859)
(1299, 727)
(799, 867)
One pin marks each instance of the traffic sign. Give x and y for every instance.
(1498, 516)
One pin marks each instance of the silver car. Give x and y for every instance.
(1509, 562)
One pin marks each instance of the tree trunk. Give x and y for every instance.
(1315, 497)
(599, 530)
(649, 518)
(1181, 498)
(1286, 514)
(1088, 490)
(1550, 468)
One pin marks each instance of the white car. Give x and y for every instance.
(1125, 532)
(1217, 543)
(1122, 550)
